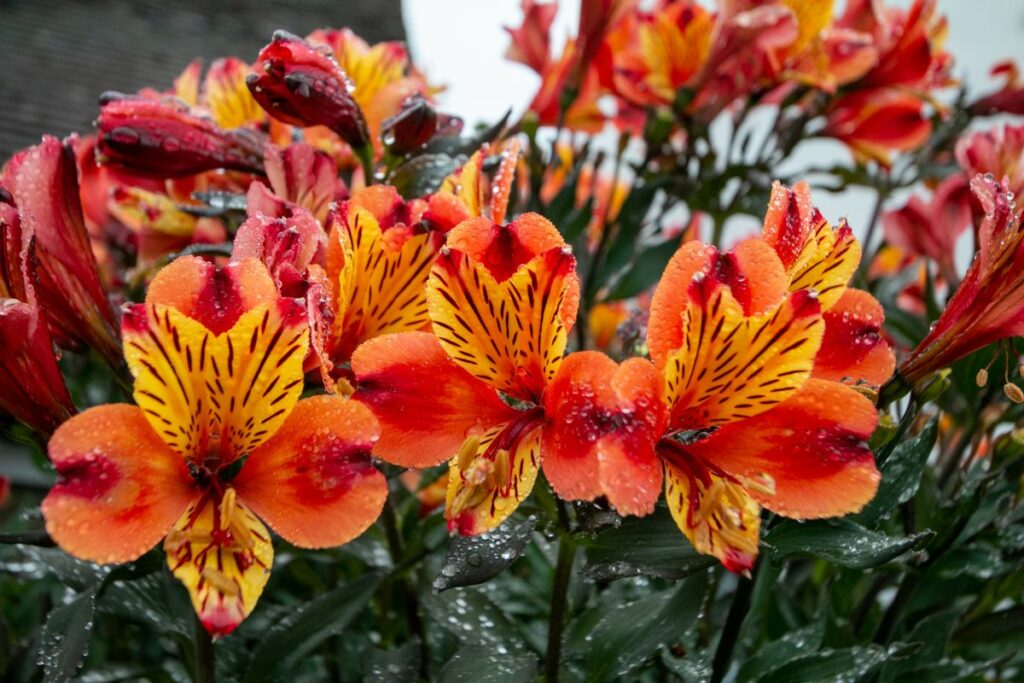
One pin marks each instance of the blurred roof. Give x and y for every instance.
(59, 55)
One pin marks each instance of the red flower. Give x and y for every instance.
(998, 152)
(165, 139)
(930, 229)
(1007, 100)
(302, 85)
(989, 303)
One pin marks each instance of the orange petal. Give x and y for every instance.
(510, 333)
(714, 512)
(731, 366)
(807, 457)
(832, 258)
(426, 403)
(382, 281)
(853, 348)
(603, 420)
(222, 553)
(216, 297)
(671, 298)
(227, 96)
(317, 467)
(207, 394)
(491, 475)
(119, 487)
(503, 249)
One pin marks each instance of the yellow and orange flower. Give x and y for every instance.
(746, 402)
(501, 301)
(218, 441)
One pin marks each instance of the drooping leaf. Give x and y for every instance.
(841, 541)
(312, 623)
(485, 665)
(629, 635)
(475, 559)
(901, 474)
(649, 546)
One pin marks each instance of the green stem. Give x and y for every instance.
(412, 605)
(205, 655)
(869, 252)
(730, 632)
(559, 608)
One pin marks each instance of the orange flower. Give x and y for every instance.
(219, 440)
(501, 300)
(742, 406)
(986, 306)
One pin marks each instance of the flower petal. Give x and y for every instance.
(716, 514)
(427, 405)
(222, 553)
(119, 487)
(807, 457)
(227, 96)
(853, 348)
(603, 420)
(317, 467)
(731, 366)
(491, 475)
(508, 333)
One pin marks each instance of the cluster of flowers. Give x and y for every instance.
(434, 329)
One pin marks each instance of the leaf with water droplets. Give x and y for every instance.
(64, 641)
(845, 665)
(779, 652)
(483, 665)
(72, 572)
(841, 541)
(424, 174)
(648, 546)
(474, 559)
(474, 619)
(308, 626)
(629, 635)
(397, 664)
(901, 474)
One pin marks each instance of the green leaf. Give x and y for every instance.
(310, 624)
(848, 664)
(484, 665)
(629, 635)
(64, 641)
(398, 664)
(841, 541)
(901, 474)
(648, 546)
(779, 652)
(932, 633)
(474, 619)
(475, 559)
(424, 174)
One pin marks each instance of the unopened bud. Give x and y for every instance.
(412, 127)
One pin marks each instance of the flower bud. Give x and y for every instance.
(412, 127)
(302, 85)
(164, 139)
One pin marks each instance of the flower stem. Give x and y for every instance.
(559, 607)
(731, 631)
(412, 604)
(205, 655)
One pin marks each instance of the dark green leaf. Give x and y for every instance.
(65, 638)
(474, 559)
(629, 635)
(841, 541)
(474, 619)
(310, 624)
(645, 270)
(424, 174)
(649, 546)
(848, 664)
(932, 633)
(398, 664)
(901, 474)
(484, 665)
(779, 652)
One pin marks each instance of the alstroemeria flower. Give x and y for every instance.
(31, 386)
(160, 226)
(930, 229)
(998, 152)
(1007, 100)
(218, 441)
(57, 259)
(165, 139)
(741, 407)
(502, 299)
(987, 306)
(303, 85)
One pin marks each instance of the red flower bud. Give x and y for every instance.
(31, 386)
(163, 138)
(303, 85)
(412, 127)
(287, 246)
